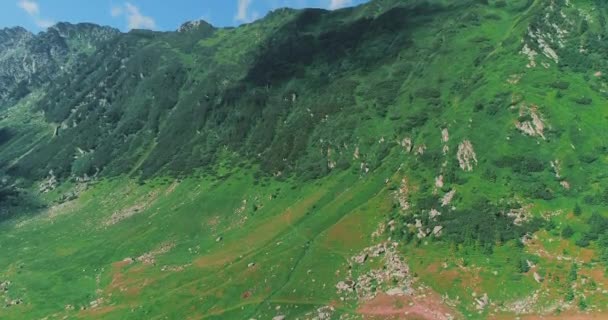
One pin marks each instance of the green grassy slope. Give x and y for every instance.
(396, 160)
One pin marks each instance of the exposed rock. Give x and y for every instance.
(325, 313)
(125, 213)
(447, 198)
(420, 150)
(360, 258)
(531, 54)
(150, 257)
(406, 143)
(393, 271)
(514, 78)
(437, 231)
(402, 195)
(331, 164)
(4, 285)
(395, 292)
(482, 302)
(345, 286)
(556, 168)
(373, 251)
(381, 229)
(439, 182)
(434, 213)
(96, 303)
(33, 60)
(466, 156)
(522, 306)
(445, 149)
(533, 127)
(175, 268)
(195, 25)
(544, 45)
(13, 302)
(49, 184)
(445, 135)
(422, 232)
(520, 215)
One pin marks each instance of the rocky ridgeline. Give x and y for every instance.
(28, 61)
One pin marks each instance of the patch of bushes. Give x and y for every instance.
(484, 224)
(521, 164)
(428, 93)
(585, 101)
(561, 85)
(567, 232)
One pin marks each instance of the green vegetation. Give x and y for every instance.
(259, 171)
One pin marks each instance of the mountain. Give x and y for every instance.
(422, 158)
(29, 61)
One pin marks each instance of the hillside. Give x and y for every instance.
(401, 159)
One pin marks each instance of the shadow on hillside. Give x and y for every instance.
(366, 42)
(15, 203)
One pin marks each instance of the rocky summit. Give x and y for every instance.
(413, 159)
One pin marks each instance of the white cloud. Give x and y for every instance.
(30, 7)
(33, 10)
(242, 12)
(135, 19)
(116, 11)
(337, 4)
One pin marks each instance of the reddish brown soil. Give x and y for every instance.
(424, 307)
(561, 316)
(95, 313)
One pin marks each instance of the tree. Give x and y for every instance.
(567, 232)
(522, 265)
(573, 274)
(577, 210)
(570, 295)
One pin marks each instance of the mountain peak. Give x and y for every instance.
(67, 29)
(17, 30)
(195, 25)
(13, 34)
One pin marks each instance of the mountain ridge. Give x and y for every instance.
(439, 159)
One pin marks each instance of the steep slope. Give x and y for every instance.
(29, 61)
(430, 159)
(29, 64)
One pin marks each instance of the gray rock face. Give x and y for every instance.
(28, 61)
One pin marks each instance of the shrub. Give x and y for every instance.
(573, 274)
(428, 93)
(583, 101)
(567, 232)
(561, 85)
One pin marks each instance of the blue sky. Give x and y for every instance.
(37, 15)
